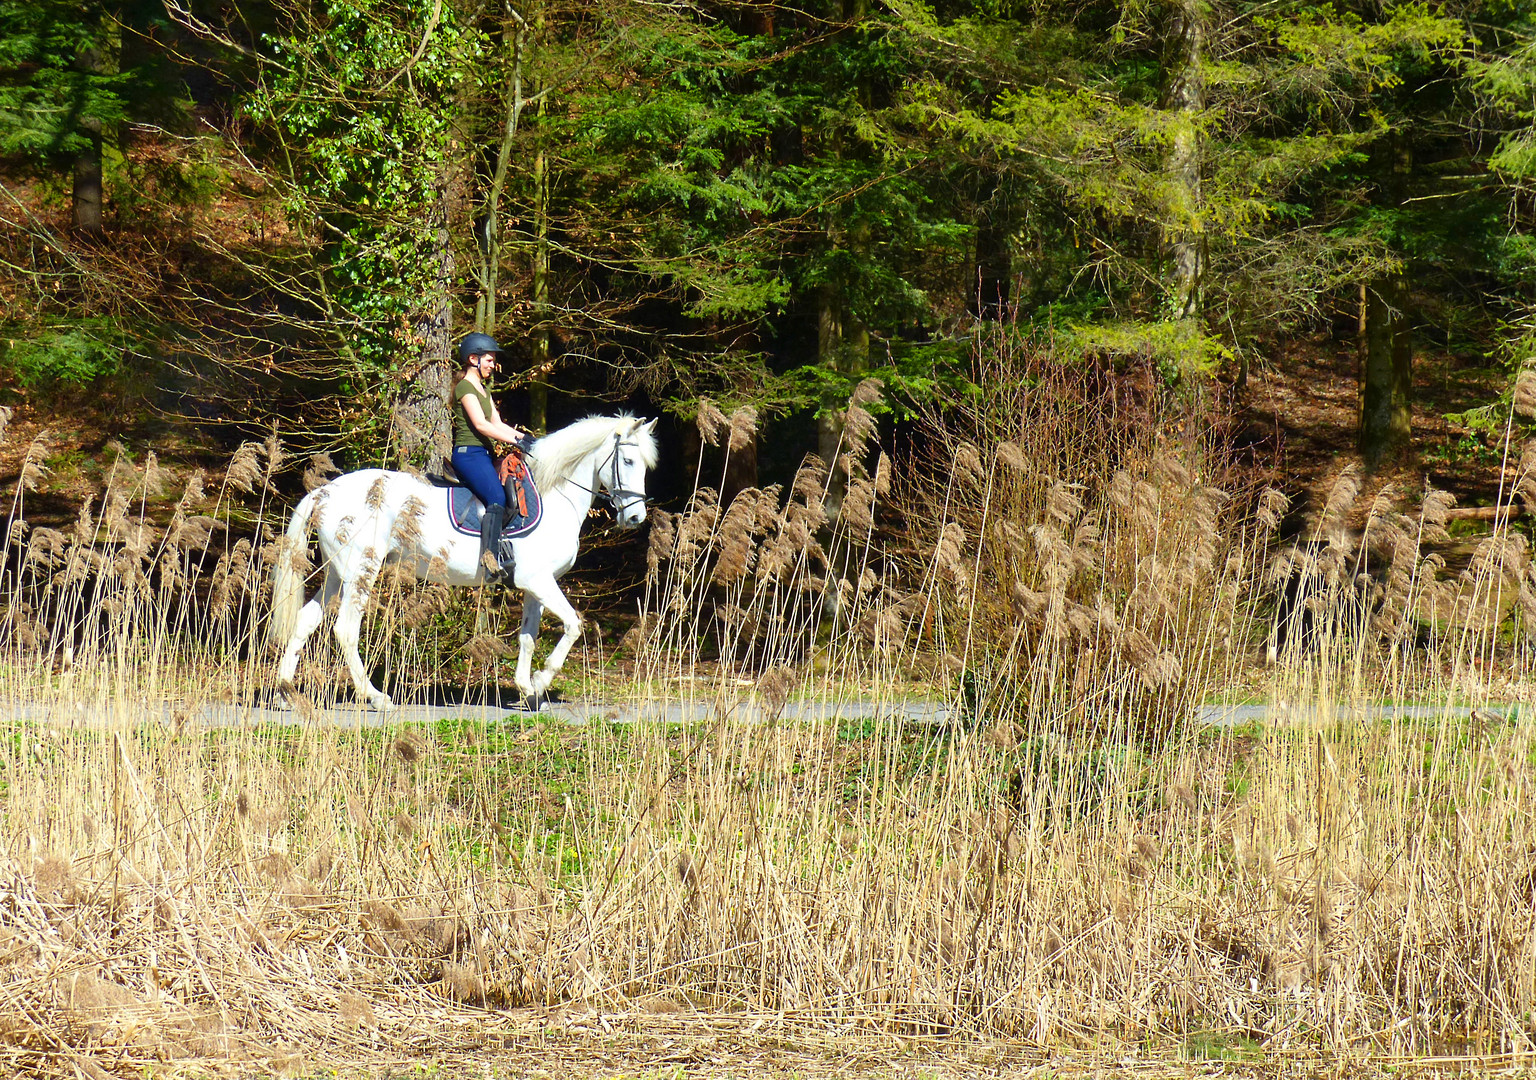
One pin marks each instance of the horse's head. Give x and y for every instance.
(623, 476)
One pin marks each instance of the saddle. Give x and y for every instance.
(524, 507)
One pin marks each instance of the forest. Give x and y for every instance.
(239, 213)
(1056, 591)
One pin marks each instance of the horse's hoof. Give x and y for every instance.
(539, 683)
(382, 702)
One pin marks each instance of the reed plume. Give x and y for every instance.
(244, 468)
(1273, 505)
(662, 539)
(858, 428)
(32, 468)
(1434, 512)
(710, 421)
(276, 455)
(406, 533)
(736, 541)
(857, 510)
(1525, 392)
(321, 469)
(967, 464)
(743, 428)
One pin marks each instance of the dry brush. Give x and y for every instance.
(1071, 865)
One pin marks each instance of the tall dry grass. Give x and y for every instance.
(1074, 865)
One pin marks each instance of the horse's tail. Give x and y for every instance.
(287, 577)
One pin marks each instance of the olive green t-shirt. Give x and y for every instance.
(464, 433)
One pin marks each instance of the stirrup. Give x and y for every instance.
(502, 576)
(490, 575)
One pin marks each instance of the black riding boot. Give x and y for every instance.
(491, 522)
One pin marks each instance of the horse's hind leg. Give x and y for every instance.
(308, 622)
(349, 621)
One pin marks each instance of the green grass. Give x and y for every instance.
(1221, 1046)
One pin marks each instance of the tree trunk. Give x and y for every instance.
(1386, 418)
(87, 194)
(423, 422)
(829, 341)
(86, 198)
(538, 388)
(1386, 391)
(740, 472)
(994, 264)
(490, 220)
(1185, 237)
(842, 346)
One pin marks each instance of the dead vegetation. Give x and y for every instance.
(1071, 868)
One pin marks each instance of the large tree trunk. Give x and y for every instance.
(423, 420)
(538, 388)
(994, 263)
(1184, 235)
(842, 343)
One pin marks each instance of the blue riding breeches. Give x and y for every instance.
(477, 469)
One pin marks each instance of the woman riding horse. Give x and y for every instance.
(476, 423)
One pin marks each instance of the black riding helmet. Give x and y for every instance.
(473, 344)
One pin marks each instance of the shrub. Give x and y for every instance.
(71, 356)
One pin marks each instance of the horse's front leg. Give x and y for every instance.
(550, 596)
(533, 611)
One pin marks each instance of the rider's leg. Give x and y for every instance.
(478, 471)
(491, 523)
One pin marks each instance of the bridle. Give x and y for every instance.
(617, 496)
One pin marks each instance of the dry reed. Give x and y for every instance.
(1071, 865)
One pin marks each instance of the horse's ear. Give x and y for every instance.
(650, 427)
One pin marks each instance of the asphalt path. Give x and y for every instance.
(579, 712)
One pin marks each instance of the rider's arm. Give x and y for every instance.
(489, 426)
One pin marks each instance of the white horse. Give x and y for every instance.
(367, 518)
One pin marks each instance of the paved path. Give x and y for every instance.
(928, 713)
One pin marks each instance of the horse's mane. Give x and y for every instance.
(557, 454)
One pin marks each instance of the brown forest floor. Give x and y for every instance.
(1300, 412)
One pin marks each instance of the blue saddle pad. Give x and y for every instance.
(464, 510)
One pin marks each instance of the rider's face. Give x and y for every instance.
(485, 364)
